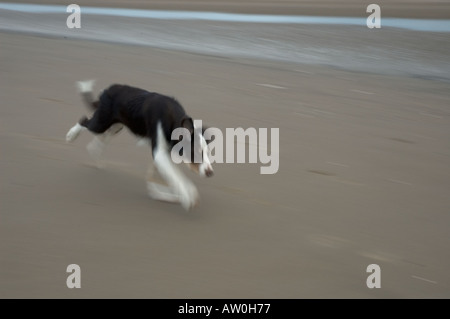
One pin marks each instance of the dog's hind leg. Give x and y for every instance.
(98, 124)
(103, 125)
(73, 133)
(85, 88)
(98, 144)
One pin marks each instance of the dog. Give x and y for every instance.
(152, 117)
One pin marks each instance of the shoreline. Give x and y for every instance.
(352, 8)
(388, 50)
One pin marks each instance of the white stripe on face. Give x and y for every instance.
(205, 168)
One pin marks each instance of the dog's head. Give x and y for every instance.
(198, 158)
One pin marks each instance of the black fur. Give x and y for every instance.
(137, 109)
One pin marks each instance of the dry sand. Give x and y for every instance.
(364, 179)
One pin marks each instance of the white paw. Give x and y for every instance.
(188, 196)
(160, 192)
(73, 133)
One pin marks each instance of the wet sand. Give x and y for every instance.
(439, 9)
(364, 179)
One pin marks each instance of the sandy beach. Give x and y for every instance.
(364, 172)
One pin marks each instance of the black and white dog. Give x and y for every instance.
(152, 117)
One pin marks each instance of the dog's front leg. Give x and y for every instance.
(157, 190)
(181, 187)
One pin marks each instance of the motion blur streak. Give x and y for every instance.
(364, 155)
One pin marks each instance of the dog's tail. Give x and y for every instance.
(85, 88)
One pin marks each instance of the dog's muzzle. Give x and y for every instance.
(209, 172)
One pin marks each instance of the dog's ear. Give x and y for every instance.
(188, 123)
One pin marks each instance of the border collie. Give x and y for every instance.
(152, 117)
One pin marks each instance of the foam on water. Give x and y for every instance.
(411, 24)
